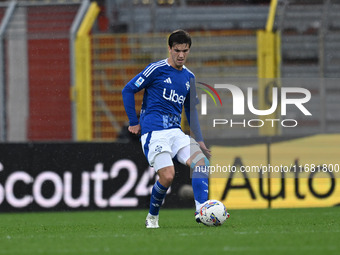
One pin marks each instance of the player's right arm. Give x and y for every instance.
(128, 94)
(135, 129)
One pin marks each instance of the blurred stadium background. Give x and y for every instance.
(39, 62)
(63, 65)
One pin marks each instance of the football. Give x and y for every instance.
(213, 213)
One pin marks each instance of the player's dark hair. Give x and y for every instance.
(179, 37)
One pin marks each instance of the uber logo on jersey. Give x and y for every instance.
(173, 96)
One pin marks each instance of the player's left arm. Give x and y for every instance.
(206, 151)
(192, 117)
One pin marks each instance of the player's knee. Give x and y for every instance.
(200, 166)
(199, 159)
(166, 176)
(165, 168)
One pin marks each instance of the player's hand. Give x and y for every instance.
(134, 129)
(205, 150)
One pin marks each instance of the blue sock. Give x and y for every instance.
(157, 196)
(200, 184)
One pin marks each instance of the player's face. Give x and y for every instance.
(178, 55)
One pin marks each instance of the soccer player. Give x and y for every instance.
(167, 85)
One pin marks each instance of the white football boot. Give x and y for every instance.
(151, 221)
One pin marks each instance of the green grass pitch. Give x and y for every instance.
(269, 231)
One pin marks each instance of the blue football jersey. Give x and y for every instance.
(166, 92)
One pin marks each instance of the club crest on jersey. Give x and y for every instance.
(173, 96)
(188, 85)
(139, 81)
(158, 148)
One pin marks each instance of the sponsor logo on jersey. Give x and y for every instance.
(173, 96)
(139, 81)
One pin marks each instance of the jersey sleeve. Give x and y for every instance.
(135, 85)
(191, 112)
